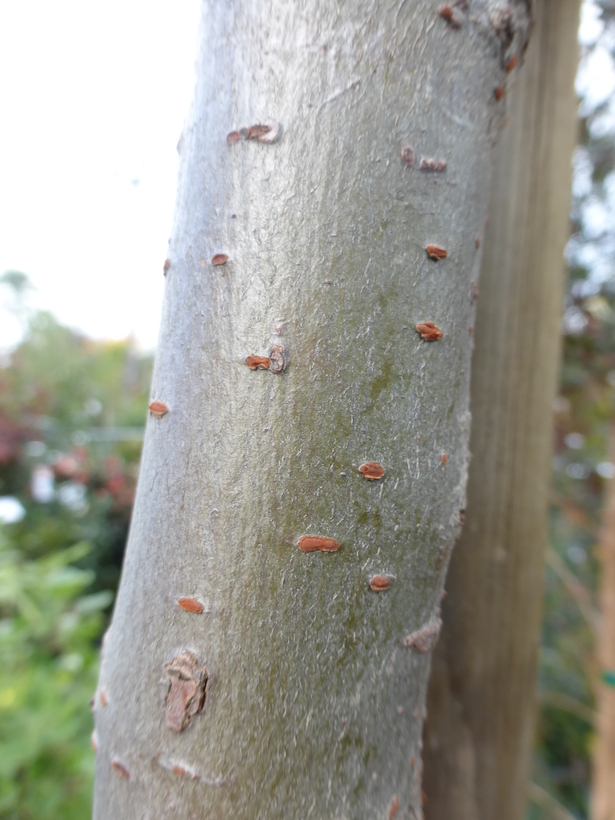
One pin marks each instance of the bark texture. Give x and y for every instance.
(482, 693)
(313, 703)
(603, 785)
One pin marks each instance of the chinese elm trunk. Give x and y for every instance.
(481, 699)
(313, 677)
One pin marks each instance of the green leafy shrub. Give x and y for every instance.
(49, 667)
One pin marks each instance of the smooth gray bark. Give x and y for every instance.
(313, 704)
(481, 703)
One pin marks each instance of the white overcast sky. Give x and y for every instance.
(92, 100)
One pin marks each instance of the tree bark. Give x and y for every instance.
(311, 674)
(603, 780)
(481, 699)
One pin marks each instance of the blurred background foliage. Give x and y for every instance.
(72, 413)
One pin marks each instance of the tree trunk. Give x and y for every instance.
(288, 358)
(482, 692)
(603, 785)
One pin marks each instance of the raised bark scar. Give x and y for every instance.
(425, 638)
(186, 691)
